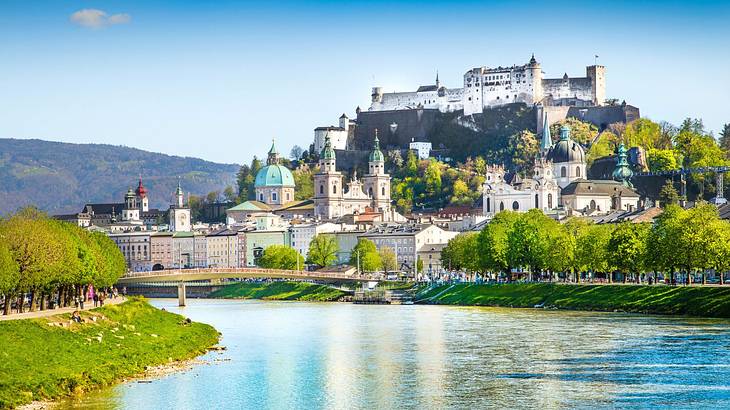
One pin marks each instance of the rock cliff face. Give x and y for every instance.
(60, 177)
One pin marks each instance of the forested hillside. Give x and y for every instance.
(60, 177)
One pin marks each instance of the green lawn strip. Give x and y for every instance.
(40, 362)
(693, 301)
(279, 291)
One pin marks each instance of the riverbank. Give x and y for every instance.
(49, 358)
(704, 301)
(302, 291)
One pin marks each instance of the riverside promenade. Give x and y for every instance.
(59, 311)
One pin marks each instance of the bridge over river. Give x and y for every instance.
(179, 277)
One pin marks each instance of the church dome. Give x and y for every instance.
(376, 155)
(274, 175)
(566, 150)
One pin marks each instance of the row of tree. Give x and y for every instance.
(323, 251)
(688, 241)
(46, 258)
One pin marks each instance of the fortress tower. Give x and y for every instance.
(597, 75)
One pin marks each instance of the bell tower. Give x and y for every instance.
(328, 187)
(377, 182)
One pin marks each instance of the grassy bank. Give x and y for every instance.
(50, 358)
(279, 291)
(693, 301)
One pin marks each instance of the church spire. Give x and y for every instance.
(623, 172)
(273, 157)
(438, 84)
(547, 140)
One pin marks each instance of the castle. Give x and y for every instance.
(491, 87)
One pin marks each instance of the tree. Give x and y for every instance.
(229, 194)
(433, 179)
(244, 182)
(725, 140)
(492, 242)
(460, 193)
(460, 252)
(304, 180)
(580, 131)
(296, 152)
(529, 241)
(645, 133)
(323, 250)
(367, 254)
(395, 158)
(387, 259)
(281, 257)
(114, 262)
(627, 247)
(591, 249)
(662, 159)
(522, 148)
(9, 272)
(411, 168)
(668, 195)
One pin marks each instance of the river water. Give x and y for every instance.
(295, 355)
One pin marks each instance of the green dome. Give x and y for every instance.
(327, 151)
(274, 175)
(376, 155)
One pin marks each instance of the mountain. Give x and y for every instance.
(60, 177)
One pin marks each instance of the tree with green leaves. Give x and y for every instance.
(432, 178)
(522, 148)
(493, 245)
(662, 159)
(365, 255)
(113, 261)
(580, 131)
(281, 257)
(725, 140)
(304, 180)
(461, 252)
(668, 195)
(387, 259)
(627, 247)
(323, 250)
(591, 249)
(9, 272)
(532, 243)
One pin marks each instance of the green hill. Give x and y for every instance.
(60, 177)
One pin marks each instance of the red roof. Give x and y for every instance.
(141, 191)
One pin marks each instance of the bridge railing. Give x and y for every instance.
(244, 271)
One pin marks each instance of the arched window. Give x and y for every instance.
(273, 196)
(287, 197)
(593, 204)
(383, 192)
(321, 189)
(334, 189)
(261, 197)
(501, 206)
(550, 201)
(537, 204)
(370, 191)
(488, 205)
(563, 172)
(577, 171)
(515, 205)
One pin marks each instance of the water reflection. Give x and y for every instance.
(342, 356)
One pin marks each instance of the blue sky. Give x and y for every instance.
(218, 80)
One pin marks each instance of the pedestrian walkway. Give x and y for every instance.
(51, 312)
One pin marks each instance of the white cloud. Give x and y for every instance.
(94, 18)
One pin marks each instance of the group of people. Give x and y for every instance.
(97, 296)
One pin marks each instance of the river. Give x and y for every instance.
(296, 355)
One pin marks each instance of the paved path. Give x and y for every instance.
(51, 312)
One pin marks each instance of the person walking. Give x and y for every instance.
(96, 299)
(102, 296)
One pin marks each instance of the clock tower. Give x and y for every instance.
(179, 213)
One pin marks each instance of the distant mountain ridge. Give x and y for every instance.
(60, 177)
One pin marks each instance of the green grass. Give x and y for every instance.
(279, 291)
(692, 301)
(39, 361)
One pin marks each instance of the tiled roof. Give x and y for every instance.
(598, 187)
(251, 206)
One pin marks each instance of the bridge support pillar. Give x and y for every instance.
(719, 198)
(181, 297)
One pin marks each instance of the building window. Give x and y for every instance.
(321, 189)
(577, 171)
(537, 205)
(488, 205)
(515, 205)
(383, 191)
(593, 204)
(550, 201)
(273, 196)
(501, 206)
(334, 189)
(261, 197)
(563, 172)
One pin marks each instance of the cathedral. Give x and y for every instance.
(332, 199)
(559, 181)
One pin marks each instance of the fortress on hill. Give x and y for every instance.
(485, 87)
